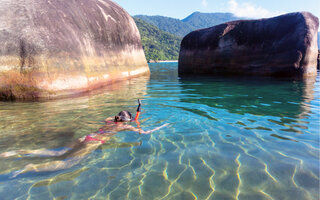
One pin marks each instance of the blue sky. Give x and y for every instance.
(242, 8)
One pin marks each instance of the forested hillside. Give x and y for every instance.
(170, 25)
(157, 44)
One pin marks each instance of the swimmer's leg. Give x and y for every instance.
(8, 154)
(46, 152)
(37, 152)
(48, 166)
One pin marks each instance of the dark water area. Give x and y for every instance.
(228, 138)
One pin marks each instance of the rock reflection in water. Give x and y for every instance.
(262, 97)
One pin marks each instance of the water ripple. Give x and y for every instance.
(228, 138)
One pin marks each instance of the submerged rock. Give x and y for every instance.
(56, 48)
(281, 46)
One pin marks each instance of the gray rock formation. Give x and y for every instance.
(281, 46)
(318, 60)
(53, 48)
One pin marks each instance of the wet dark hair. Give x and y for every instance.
(123, 116)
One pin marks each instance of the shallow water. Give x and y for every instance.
(228, 138)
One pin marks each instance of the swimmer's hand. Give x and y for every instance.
(153, 130)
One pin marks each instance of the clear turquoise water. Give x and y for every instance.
(228, 138)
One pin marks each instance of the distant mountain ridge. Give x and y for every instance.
(196, 20)
(203, 20)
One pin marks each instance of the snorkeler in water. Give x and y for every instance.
(72, 154)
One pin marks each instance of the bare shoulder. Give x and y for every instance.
(108, 119)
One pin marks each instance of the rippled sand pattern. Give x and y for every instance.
(227, 139)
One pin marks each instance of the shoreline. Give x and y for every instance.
(162, 61)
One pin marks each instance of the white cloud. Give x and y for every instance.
(204, 3)
(250, 10)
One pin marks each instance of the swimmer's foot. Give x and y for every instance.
(27, 168)
(8, 154)
(16, 173)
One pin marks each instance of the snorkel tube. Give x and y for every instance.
(138, 110)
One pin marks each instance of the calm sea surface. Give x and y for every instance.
(228, 138)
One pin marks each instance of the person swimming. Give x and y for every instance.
(123, 116)
(73, 153)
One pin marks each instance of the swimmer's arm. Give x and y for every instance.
(140, 131)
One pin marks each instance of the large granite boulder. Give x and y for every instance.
(281, 46)
(318, 60)
(52, 48)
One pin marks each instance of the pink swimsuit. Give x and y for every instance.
(89, 138)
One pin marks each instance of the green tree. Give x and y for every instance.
(158, 44)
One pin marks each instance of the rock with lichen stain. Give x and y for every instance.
(280, 46)
(54, 48)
